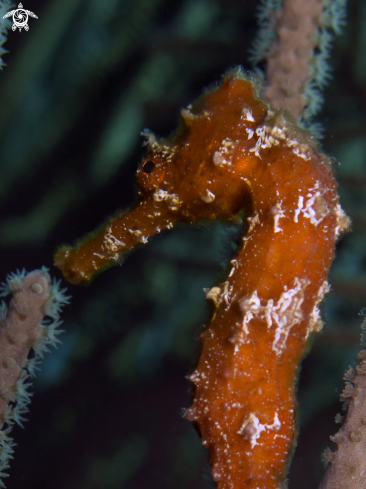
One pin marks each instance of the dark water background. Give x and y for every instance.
(78, 88)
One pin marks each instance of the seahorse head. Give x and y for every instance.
(199, 172)
(196, 171)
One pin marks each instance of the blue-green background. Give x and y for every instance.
(77, 90)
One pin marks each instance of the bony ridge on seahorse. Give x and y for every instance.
(232, 152)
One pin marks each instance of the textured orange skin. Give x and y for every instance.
(244, 396)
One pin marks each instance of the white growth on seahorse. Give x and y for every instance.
(315, 208)
(277, 212)
(223, 155)
(251, 428)
(284, 313)
(316, 323)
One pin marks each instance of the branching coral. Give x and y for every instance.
(347, 467)
(295, 39)
(23, 329)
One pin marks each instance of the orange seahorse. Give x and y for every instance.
(231, 152)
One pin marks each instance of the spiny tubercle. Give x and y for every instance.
(232, 153)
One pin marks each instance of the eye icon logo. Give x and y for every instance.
(20, 17)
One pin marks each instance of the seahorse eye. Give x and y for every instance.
(148, 166)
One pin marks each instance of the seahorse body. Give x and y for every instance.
(231, 153)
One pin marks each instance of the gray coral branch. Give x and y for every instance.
(347, 464)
